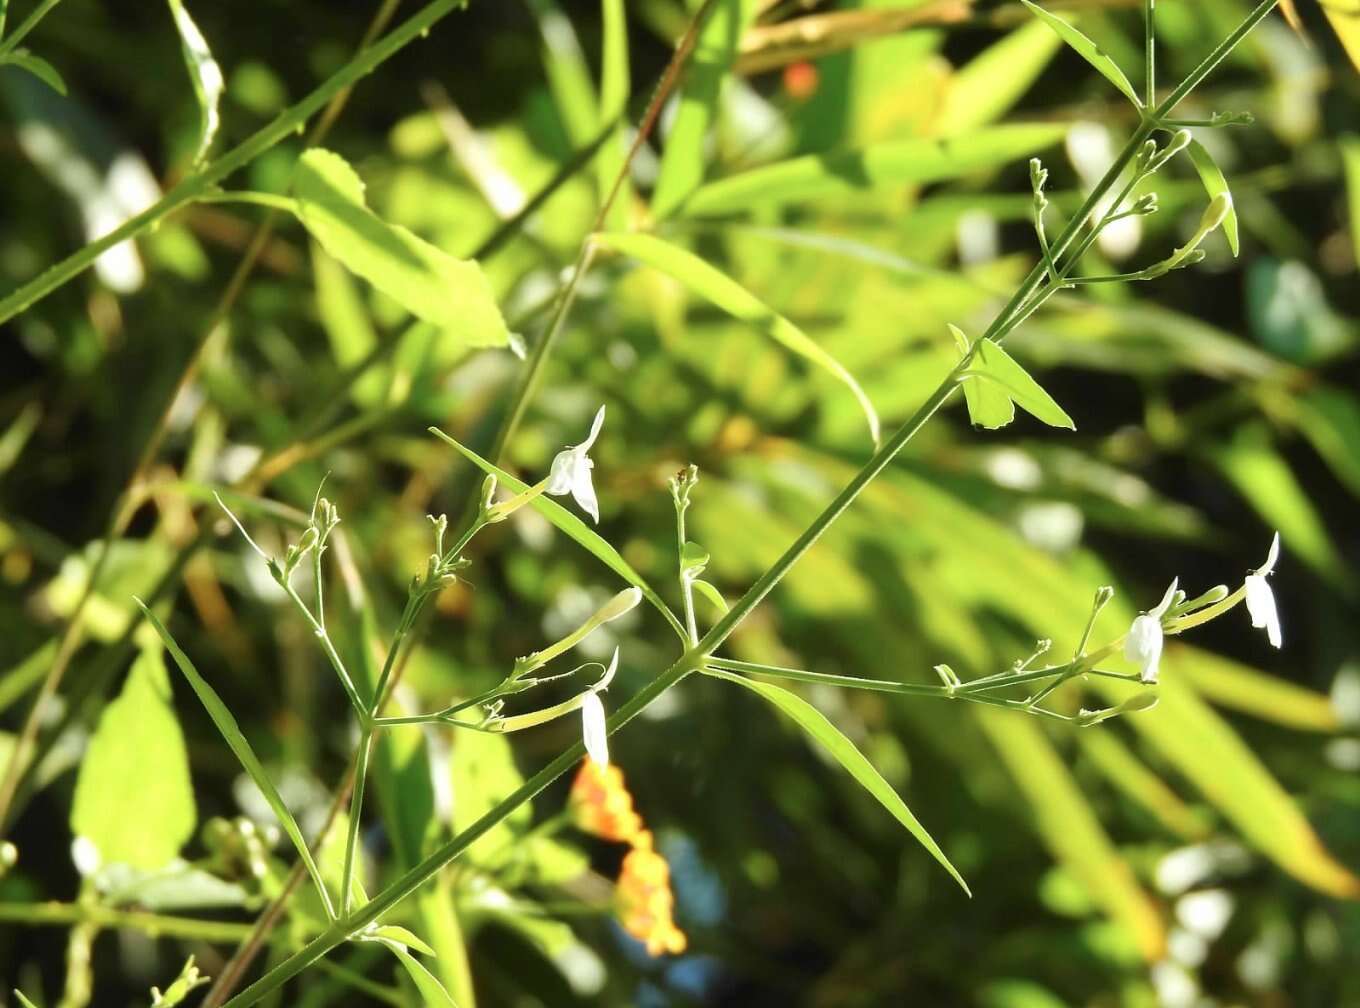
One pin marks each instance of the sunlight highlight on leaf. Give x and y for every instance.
(204, 74)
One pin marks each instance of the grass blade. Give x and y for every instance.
(1088, 50)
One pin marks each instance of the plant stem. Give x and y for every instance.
(26, 26)
(686, 582)
(195, 186)
(1150, 52)
(62, 914)
(356, 807)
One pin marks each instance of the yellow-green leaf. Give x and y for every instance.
(1214, 183)
(1088, 50)
(134, 800)
(997, 380)
(204, 74)
(1270, 698)
(737, 301)
(817, 726)
(986, 87)
(452, 294)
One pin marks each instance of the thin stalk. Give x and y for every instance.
(26, 26)
(332, 655)
(1150, 51)
(356, 806)
(686, 582)
(166, 925)
(198, 184)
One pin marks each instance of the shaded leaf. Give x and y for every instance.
(39, 68)
(896, 162)
(816, 725)
(204, 74)
(731, 297)
(453, 294)
(1088, 50)
(134, 800)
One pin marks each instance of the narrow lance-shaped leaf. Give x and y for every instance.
(574, 527)
(816, 725)
(1214, 183)
(39, 68)
(988, 85)
(896, 162)
(734, 299)
(231, 733)
(1088, 50)
(613, 104)
(204, 74)
(453, 294)
(432, 992)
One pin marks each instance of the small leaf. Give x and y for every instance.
(231, 732)
(985, 88)
(815, 724)
(1214, 183)
(731, 297)
(431, 991)
(894, 162)
(134, 800)
(204, 74)
(396, 933)
(39, 68)
(1088, 50)
(997, 375)
(574, 527)
(23, 1000)
(1350, 160)
(453, 294)
(693, 559)
(712, 594)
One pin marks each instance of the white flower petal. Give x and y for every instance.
(562, 472)
(1271, 557)
(593, 728)
(1261, 605)
(1144, 646)
(584, 491)
(595, 426)
(1161, 609)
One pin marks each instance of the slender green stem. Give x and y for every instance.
(686, 582)
(65, 914)
(1150, 51)
(356, 808)
(328, 646)
(197, 185)
(26, 26)
(274, 201)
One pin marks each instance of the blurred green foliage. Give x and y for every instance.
(864, 201)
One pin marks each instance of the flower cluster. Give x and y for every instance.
(601, 805)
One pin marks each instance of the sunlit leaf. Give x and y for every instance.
(998, 381)
(893, 162)
(204, 74)
(453, 294)
(1214, 183)
(398, 934)
(1069, 827)
(574, 528)
(134, 800)
(985, 88)
(1270, 698)
(236, 741)
(431, 991)
(1088, 50)
(1142, 784)
(683, 155)
(614, 87)
(711, 593)
(816, 725)
(731, 297)
(1350, 160)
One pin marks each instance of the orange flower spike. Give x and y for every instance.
(601, 805)
(646, 903)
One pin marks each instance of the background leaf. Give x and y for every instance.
(204, 74)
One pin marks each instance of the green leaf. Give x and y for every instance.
(396, 933)
(574, 527)
(231, 733)
(346, 321)
(990, 83)
(1088, 50)
(731, 297)
(684, 156)
(204, 74)
(693, 559)
(1069, 827)
(483, 772)
(568, 74)
(1330, 419)
(134, 800)
(1350, 161)
(23, 1000)
(39, 68)
(1212, 756)
(895, 162)
(431, 991)
(997, 381)
(712, 594)
(1270, 698)
(452, 294)
(1214, 183)
(816, 725)
(1143, 785)
(614, 86)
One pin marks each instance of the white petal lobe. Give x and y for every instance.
(593, 728)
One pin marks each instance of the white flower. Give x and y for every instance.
(1261, 600)
(592, 716)
(570, 472)
(1144, 642)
